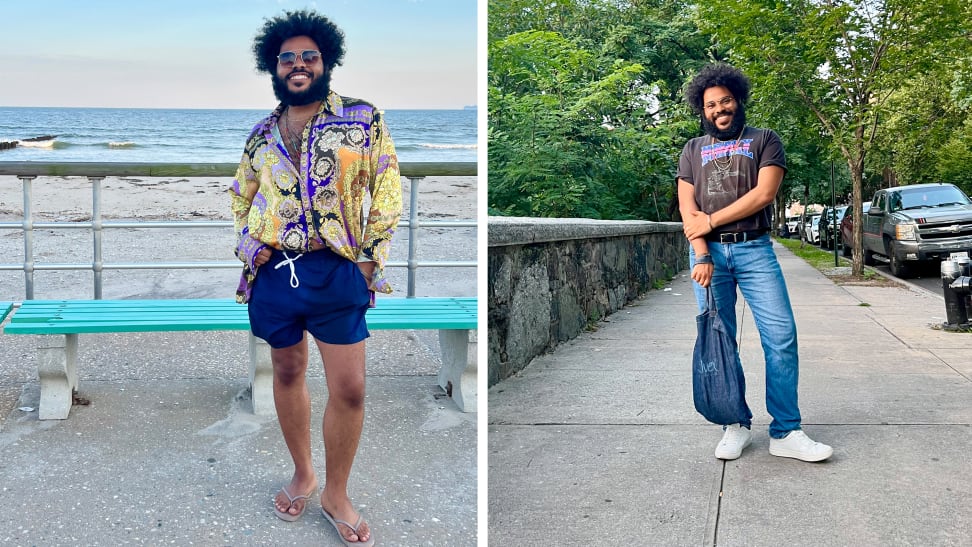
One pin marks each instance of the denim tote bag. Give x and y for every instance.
(718, 383)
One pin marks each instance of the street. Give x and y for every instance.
(928, 276)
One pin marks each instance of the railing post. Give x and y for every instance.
(97, 265)
(413, 226)
(28, 237)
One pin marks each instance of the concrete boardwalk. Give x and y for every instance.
(168, 452)
(598, 443)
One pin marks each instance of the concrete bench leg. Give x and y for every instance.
(57, 368)
(458, 372)
(261, 378)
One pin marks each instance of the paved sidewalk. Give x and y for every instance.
(168, 452)
(598, 442)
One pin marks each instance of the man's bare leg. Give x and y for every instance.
(344, 367)
(292, 401)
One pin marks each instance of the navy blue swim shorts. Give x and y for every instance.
(318, 292)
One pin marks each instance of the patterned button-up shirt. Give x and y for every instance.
(344, 191)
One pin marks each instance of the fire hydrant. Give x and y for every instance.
(957, 288)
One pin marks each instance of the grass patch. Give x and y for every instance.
(814, 256)
(823, 261)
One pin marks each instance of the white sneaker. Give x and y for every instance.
(734, 440)
(798, 445)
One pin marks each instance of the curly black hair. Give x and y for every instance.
(327, 36)
(719, 74)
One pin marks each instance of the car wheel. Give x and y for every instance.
(898, 267)
(845, 250)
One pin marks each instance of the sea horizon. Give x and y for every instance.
(202, 135)
(268, 109)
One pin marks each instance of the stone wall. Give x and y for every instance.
(551, 278)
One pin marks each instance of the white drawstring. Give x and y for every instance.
(294, 282)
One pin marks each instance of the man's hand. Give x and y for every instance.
(702, 274)
(367, 270)
(696, 225)
(262, 257)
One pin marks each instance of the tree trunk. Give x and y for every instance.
(857, 176)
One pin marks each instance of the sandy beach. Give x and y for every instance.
(153, 198)
(67, 199)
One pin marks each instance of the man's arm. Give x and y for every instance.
(701, 273)
(768, 181)
(386, 208)
(245, 186)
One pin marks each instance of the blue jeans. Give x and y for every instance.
(753, 267)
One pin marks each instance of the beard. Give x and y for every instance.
(732, 132)
(316, 91)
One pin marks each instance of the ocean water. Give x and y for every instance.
(203, 136)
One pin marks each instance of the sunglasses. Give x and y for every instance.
(288, 59)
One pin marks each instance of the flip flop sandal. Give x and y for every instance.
(334, 522)
(286, 515)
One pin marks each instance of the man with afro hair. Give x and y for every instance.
(316, 199)
(727, 184)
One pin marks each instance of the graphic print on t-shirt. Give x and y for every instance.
(724, 149)
(717, 179)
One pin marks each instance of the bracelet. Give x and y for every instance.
(703, 259)
(708, 219)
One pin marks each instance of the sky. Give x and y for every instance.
(400, 54)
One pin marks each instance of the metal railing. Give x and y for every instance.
(96, 173)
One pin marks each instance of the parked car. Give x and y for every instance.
(847, 229)
(919, 222)
(811, 229)
(804, 225)
(791, 225)
(830, 226)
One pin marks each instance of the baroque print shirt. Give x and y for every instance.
(343, 192)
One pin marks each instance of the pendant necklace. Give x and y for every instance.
(292, 140)
(724, 165)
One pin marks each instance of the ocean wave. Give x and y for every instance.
(122, 144)
(47, 143)
(448, 146)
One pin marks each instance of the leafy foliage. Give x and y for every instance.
(584, 118)
(844, 61)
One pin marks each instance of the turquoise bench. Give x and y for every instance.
(5, 308)
(62, 321)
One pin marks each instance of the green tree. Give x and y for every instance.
(549, 134)
(840, 59)
(584, 113)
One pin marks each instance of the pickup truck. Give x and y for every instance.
(920, 222)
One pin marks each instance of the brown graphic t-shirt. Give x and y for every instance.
(724, 171)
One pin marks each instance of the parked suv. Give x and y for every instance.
(830, 226)
(914, 223)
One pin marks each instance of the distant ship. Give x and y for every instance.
(44, 141)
